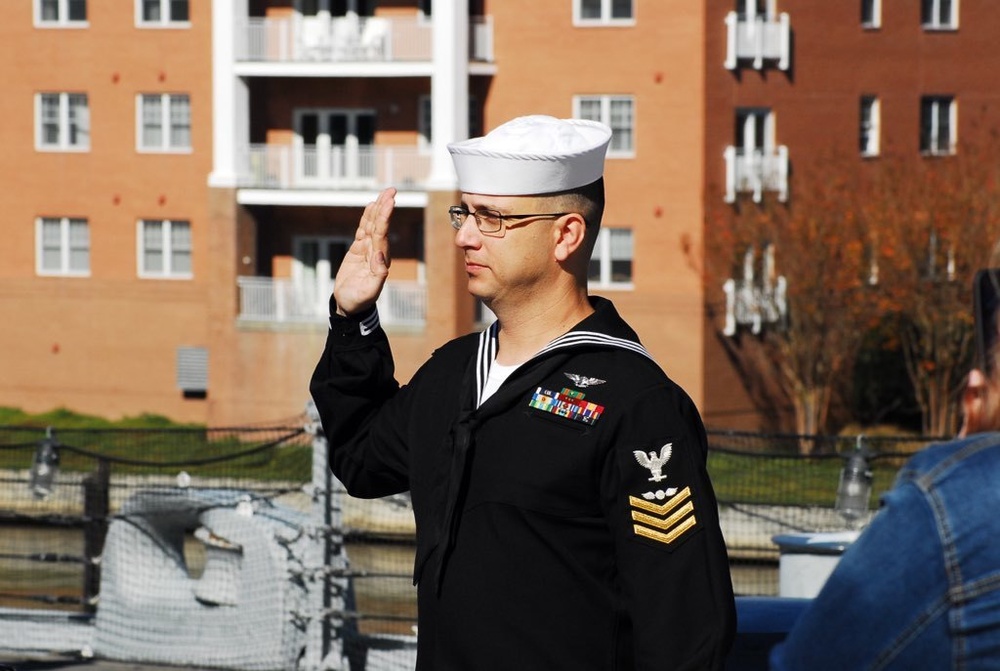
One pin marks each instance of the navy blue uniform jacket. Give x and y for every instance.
(566, 523)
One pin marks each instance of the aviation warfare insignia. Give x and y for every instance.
(566, 403)
(654, 462)
(659, 494)
(663, 522)
(583, 381)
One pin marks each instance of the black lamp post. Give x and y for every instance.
(855, 488)
(45, 466)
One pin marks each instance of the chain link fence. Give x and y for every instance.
(80, 505)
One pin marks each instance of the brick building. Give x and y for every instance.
(183, 176)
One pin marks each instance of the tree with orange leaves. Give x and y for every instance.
(892, 239)
(821, 266)
(936, 222)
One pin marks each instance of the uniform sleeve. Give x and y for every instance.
(672, 561)
(887, 599)
(362, 409)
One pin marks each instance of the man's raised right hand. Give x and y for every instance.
(365, 267)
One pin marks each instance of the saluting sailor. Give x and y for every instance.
(541, 541)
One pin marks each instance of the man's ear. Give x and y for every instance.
(569, 233)
(973, 399)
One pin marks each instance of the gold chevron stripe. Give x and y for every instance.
(667, 523)
(665, 537)
(663, 508)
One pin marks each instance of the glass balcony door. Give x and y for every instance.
(335, 148)
(327, 27)
(314, 267)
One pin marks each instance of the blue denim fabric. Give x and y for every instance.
(920, 588)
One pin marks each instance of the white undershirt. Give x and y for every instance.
(496, 378)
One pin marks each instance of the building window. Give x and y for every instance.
(618, 112)
(750, 10)
(939, 14)
(335, 146)
(424, 120)
(162, 12)
(164, 122)
(937, 125)
(315, 263)
(424, 126)
(869, 126)
(62, 246)
(611, 262)
(339, 8)
(164, 249)
(871, 13)
(603, 12)
(51, 13)
(755, 163)
(755, 130)
(62, 121)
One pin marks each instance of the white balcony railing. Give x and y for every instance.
(274, 300)
(272, 166)
(758, 40)
(755, 172)
(350, 39)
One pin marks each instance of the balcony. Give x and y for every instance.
(758, 40)
(290, 167)
(273, 300)
(350, 39)
(756, 171)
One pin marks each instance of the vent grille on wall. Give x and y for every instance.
(192, 369)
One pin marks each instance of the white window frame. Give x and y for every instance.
(870, 121)
(165, 21)
(63, 20)
(166, 129)
(937, 21)
(935, 141)
(874, 8)
(605, 19)
(602, 254)
(65, 126)
(166, 247)
(616, 149)
(66, 246)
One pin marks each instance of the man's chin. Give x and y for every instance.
(484, 297)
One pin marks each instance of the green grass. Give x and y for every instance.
(788, 480)
(67, 419)
(150, 444)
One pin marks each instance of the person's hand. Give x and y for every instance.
(365, 267)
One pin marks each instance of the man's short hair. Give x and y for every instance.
(587, 200)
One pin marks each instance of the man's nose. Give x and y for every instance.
(468, 234)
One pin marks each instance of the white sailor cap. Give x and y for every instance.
(532, 155)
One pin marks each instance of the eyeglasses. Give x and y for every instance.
(491, 222)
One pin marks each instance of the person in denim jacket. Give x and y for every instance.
(920, 588)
